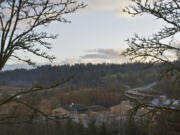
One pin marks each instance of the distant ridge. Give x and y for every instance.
(11, 67)
(85, 75)
(17, 66)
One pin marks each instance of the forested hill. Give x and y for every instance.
(84, 75)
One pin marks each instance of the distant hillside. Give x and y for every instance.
(17, 66)
(85, 75)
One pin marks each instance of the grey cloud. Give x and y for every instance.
(98, 56)
(103, 54)
(95, 56)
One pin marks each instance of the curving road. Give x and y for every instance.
(136, 92)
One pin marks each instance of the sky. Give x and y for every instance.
(97, 33)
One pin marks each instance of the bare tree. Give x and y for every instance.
(20, 21)
(21, 29)
(163, 46)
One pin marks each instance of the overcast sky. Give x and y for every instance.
(97, 33)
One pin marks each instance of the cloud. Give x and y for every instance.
(105, 55)
(114, 6)
(94, 56)
(102, 54)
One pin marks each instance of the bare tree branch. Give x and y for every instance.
(156, 47)
(20, 20)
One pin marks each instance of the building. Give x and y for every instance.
(164, 101)
(96, 108)
(70, 111)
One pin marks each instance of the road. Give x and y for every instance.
(136, 93)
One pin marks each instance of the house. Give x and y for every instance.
(70, 110)
(164, 101)
(96, 108)
(75, 109)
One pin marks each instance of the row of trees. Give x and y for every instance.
(89, 75)
(164, 123)
(68, 127)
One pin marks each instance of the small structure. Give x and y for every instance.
(164, 101)
(75, 109)
(69, 111)
(96, 108)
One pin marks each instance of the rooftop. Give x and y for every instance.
(75, 107)
(96, 108)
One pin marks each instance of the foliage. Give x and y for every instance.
(87, 75)
(65, 127)
(162, 46)
(20, 21)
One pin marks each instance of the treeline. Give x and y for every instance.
(84, 75)
(88, 97)
(162, 124)
(47, 101)
(69, 127)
